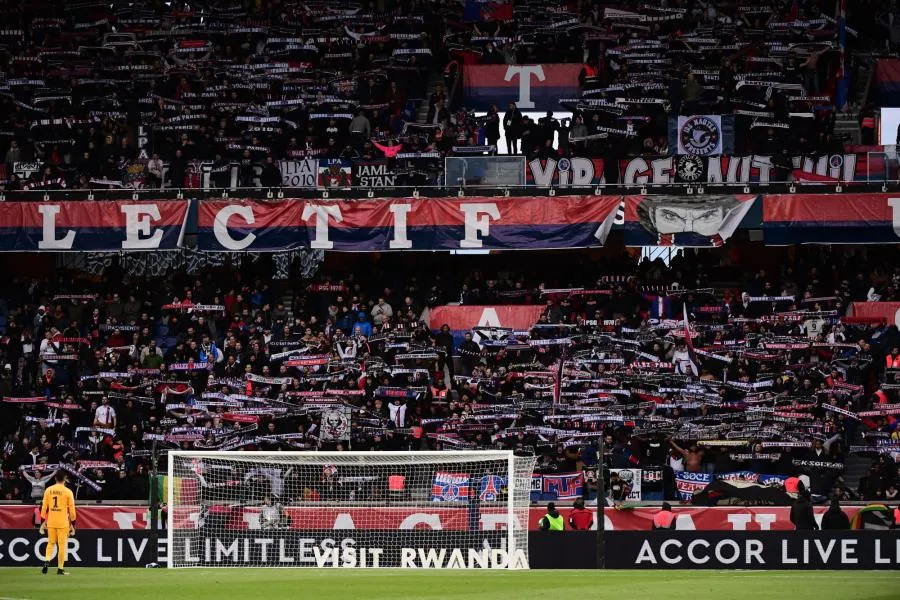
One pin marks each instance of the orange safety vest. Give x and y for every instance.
(663, 519)
(897, 516)
(792, 485)
(438, 394)
(892, 362)
(868, 123)
(882, 397)
(589, 71)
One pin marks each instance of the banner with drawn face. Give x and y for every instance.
(685, 221)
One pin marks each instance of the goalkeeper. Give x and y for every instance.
(58, 515)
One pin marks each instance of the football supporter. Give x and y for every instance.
(234, 374)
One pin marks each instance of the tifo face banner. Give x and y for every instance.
(380, 224)
(92, 226)
(831, 219)
(686, 221)
(531, 87)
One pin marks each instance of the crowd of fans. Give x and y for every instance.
(99, 95)
(97, 373)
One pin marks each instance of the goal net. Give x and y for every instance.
(426, 510)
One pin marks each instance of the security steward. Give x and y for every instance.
(552, 521)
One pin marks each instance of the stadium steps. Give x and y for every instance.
(423, 107)
(287, 298)
(855, 467)
(847, 124)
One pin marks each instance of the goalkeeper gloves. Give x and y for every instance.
(43, 528)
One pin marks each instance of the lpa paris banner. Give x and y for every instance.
(700, 135)
(299, 173)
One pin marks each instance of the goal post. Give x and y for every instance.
(424, 510)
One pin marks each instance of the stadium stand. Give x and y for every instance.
(108, 95)
(98, 372)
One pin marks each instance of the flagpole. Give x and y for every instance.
(601, 506)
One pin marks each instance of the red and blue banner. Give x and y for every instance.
(488, 10)
(831, 219)
(519, 317)
(450, 487)
(686, 221)
(689, 483)
(491, 488)
(489, 223)
(887, 81)
(566, 486)
(531, 87)
(889, 312)
(78, 226)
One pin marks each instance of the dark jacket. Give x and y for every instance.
(802, 516)
(835, 519)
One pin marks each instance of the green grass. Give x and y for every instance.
(387, 584)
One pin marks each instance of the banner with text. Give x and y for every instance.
(461, 319)
(699, 135)
(113, 226)
(299, 173)
(831, 219)
(755, 168)
(689, 483)
(531, 87)
(407, 224)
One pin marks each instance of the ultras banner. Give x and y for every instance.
(686, 221)
(378, 224)
(831, 219)
(530, 87)
(92, 226)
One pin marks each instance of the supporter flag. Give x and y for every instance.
(692, 357)
(660, 306)
(450, 487)
(842, 83)
(487, 10)
(565, 487)
(184, 490)
(491, 487)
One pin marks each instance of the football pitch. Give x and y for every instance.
(389, 584)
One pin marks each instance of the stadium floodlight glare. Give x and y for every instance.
(427, 510)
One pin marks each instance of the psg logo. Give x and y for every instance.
(700, 136)
(564, 164)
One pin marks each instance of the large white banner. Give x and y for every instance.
(633, 478)
(299, 173)
(700, 135)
